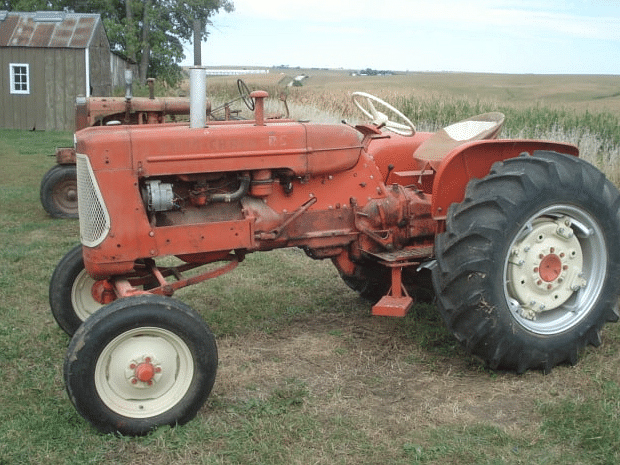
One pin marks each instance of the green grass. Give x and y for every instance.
(306, 375)
(590, 425)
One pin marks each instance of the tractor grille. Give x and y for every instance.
(94, 218)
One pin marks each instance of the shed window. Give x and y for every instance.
(20, 78)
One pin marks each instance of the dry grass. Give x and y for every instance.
(581, 110)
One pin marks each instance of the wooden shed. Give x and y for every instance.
(47, 59)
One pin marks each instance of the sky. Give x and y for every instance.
(486, 36)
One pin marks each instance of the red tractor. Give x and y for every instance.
(520, 238)
(58, 191)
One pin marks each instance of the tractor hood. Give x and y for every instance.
(155, 150)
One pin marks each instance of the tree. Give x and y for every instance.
(28, 5)
(148, 32)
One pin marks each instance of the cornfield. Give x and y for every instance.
(596, 134)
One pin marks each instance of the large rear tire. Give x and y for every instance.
(139, 363)
(528, 270)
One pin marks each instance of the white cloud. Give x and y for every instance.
(557, 16)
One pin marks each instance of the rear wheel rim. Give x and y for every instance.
(575, 288)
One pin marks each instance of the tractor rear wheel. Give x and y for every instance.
(139, 363)
(70, 292)
(528, 270)
(58, 192)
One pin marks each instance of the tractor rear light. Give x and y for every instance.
(94, 217)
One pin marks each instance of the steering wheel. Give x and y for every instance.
(381, 119)
(244, 92)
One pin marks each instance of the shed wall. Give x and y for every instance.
(99, 58)
(57, 76)
(23, 111)
(65, 77)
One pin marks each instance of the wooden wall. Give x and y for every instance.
(100, 75)
(65, 80)
(23, 111)
(57, 76)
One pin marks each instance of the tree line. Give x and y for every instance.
(147, 32)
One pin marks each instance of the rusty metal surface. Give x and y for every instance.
(56, 30)
(171, 190)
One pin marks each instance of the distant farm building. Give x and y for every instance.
(234, 72)
(49, 58)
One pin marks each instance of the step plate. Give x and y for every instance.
(392, 306)
(403, 255)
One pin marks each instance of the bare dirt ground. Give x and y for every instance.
(364, 368)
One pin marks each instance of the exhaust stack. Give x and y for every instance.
(128, 83)
(197, 97)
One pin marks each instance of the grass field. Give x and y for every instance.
(306, 375)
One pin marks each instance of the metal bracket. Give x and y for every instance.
(397, 301)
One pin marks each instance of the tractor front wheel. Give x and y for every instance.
(139, 363)
(528, 270)
(58, 192)
(70, 292)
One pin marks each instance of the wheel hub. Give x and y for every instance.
(545, 267)
(550, 267)
(71, 195)
(143, 373)
(65, 196)
(102, 291)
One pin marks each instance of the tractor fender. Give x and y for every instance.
(474, 160)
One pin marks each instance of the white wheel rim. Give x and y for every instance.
(84, 304)
(122, 387)
(571, 240)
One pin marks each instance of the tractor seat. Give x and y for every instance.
(480, 127)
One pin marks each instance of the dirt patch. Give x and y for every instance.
(367, 370)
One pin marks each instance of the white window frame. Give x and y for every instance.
(12, 73)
